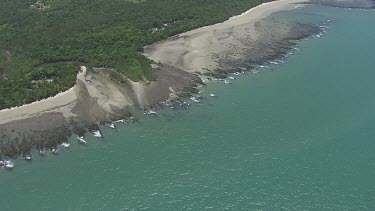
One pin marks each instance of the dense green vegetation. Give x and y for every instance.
(41, 47)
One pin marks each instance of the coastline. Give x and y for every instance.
(96, 99)
(200, 50)
(61, 100)
(287, 134)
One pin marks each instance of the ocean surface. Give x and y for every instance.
(294, 136)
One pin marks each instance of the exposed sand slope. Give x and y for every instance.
(94, 97)
(201, 49)
(100, 98)
(170, 81)
(191, 51)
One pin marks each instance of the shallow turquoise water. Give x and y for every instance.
(298, 136)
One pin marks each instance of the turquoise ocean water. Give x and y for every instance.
(297, 136)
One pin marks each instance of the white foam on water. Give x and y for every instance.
(273, 62)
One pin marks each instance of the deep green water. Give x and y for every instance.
(298, 136)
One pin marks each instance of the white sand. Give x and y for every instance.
(191, 51)
(59, 103)
(62, 102)
(201, 49)
(105, 92)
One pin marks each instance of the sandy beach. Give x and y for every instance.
(200, 50)
(61, 102)
(192, 51)
(181, 61)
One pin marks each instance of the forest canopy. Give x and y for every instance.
(43, 43)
